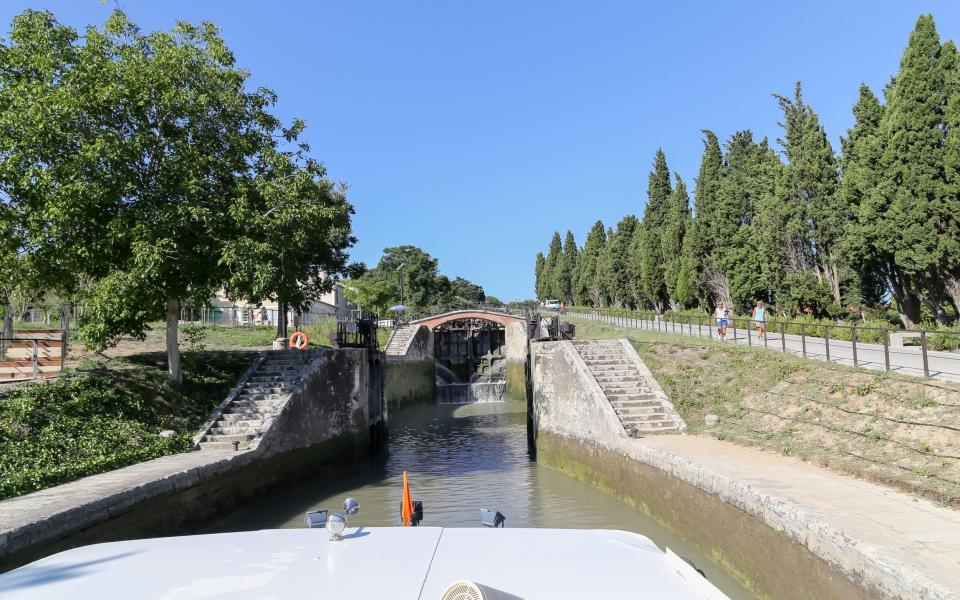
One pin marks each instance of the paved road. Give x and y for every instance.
(907, 361)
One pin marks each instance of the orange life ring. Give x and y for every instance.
(299, 341)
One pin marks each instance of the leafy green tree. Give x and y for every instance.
(586, 288)
(615, 265)
(374, 296)
(423, 285)
(551, 271)
(291, 230)
(540, 287)
(129, 172)
(494, 301)
(567, 269)
(467, 291)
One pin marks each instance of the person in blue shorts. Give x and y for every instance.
(722, 316)
(760, 318)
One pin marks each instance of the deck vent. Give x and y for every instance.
(468, 590)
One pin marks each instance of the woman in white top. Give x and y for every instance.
(722, 316)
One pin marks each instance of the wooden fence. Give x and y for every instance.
(32, 354)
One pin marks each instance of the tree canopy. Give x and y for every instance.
(803, 228)
(142, 174)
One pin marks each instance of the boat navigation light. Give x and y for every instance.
(492, 518)
(351, 506)
(336, 523)
(315, 518)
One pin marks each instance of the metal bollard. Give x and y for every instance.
(803, 339)
(886, 349)
(853, 338)
(923, 350)
(826, 340)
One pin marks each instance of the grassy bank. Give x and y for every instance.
(899, 431)
(107, 414)
(108, 409)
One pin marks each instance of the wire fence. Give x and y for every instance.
(930, 353)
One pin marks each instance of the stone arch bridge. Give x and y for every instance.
(417, 351)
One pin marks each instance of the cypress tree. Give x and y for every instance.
(567, 269)
(706, 228)
(647, 253)
(586, 289)
(551, 269)
(539, 286)
(900, 218)
(860, 167)
(615, 271)
(815, 218)
(674, 233)
(948, 213)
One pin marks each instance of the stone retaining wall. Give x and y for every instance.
(327, 421)
(577, 431)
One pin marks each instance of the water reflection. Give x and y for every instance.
(462, 458)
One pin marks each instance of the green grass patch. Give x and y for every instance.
(107, 415)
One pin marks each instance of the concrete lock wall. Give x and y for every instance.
(325, 425)
(515, 343)
(576, 431)
(411, 378)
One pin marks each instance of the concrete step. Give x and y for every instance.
(251, 423)
(239, 437)
(263, 389)
(646, 413)
(231, 430)
(630, 397)
(242, 412)
(604, 378)
(622, 404)
(658, 423)
(626, 387)
(222, 445)
(257, 397)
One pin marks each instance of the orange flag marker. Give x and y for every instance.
(406, 505)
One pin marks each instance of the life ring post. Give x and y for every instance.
(299, 341)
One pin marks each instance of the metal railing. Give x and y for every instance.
(932, 355)
(248, 316)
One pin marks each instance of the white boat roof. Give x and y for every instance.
(377, 562)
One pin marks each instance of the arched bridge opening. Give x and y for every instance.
(470, 349)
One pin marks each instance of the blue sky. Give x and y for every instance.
(474, 129)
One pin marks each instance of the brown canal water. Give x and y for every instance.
(462, 458)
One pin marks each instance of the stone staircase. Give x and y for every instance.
(400, 339)
(626, 388)
(260, 397)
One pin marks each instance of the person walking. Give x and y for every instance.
(759, 318)
(721, 315)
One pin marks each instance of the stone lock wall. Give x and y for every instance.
(576, 430)
(411, 378)
(516, 356)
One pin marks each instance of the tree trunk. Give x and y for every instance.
(281, 320)
(8, 321)
(952, 284)
(934, 297)
(173, 347)
(908, 304)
